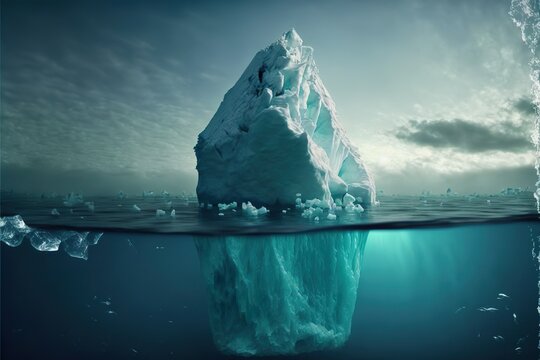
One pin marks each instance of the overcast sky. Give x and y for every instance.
(110, 96)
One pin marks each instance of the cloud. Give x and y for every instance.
(465, 136)
(524, 106)
(105, 108)
(22, 178)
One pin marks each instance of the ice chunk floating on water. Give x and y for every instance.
(277, 134)
(281, 294)
(13, 230)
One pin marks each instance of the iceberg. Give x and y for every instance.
(281, 294)
(276, 134)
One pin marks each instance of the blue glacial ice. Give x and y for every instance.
(13, 230)
(276, 133)
(44, 240)
(281, 294)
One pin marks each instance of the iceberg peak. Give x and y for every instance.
(291, 39)
(276, 133)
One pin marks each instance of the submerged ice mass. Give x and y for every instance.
(276, 134)
(281, 294)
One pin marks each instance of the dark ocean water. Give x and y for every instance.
(393, 211)
(143, 296)
(423, 284)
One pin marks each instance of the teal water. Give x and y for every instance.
(422, 293)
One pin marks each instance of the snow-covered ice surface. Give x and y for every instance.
(276, 134)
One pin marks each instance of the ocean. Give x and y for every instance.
(440, 277)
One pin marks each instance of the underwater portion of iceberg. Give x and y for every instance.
(276, 134)
(281, 294)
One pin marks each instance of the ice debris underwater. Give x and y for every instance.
(13, 231)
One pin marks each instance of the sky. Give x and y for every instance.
(98, 97)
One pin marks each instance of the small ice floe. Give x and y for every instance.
(298, 195)
(209, 206)
(488, 202)
(251, 210)
(106, 303)
(223, 207)
(136, 208)
(13, 230)
(134, 350)
(283, 211)
(331, 217)
(173, 213)
(160, 213)
(487, 309)
(93, 238)
(312, 213)
(111, 312)
(55, 212)
(73, 199)
(502, 296)
(147, 193)
(514, 316)
(348, 199)
(90, 206)
(316, 219)
(518, 350)
(316, 203)
(460, 309)
(498, 338)
(352, 208)
(160, 247)
(44, 240)
(221, 214)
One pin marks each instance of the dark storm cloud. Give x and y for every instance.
(465, 136)
(525, 106)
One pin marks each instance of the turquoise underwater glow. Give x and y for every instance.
(281, 294)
